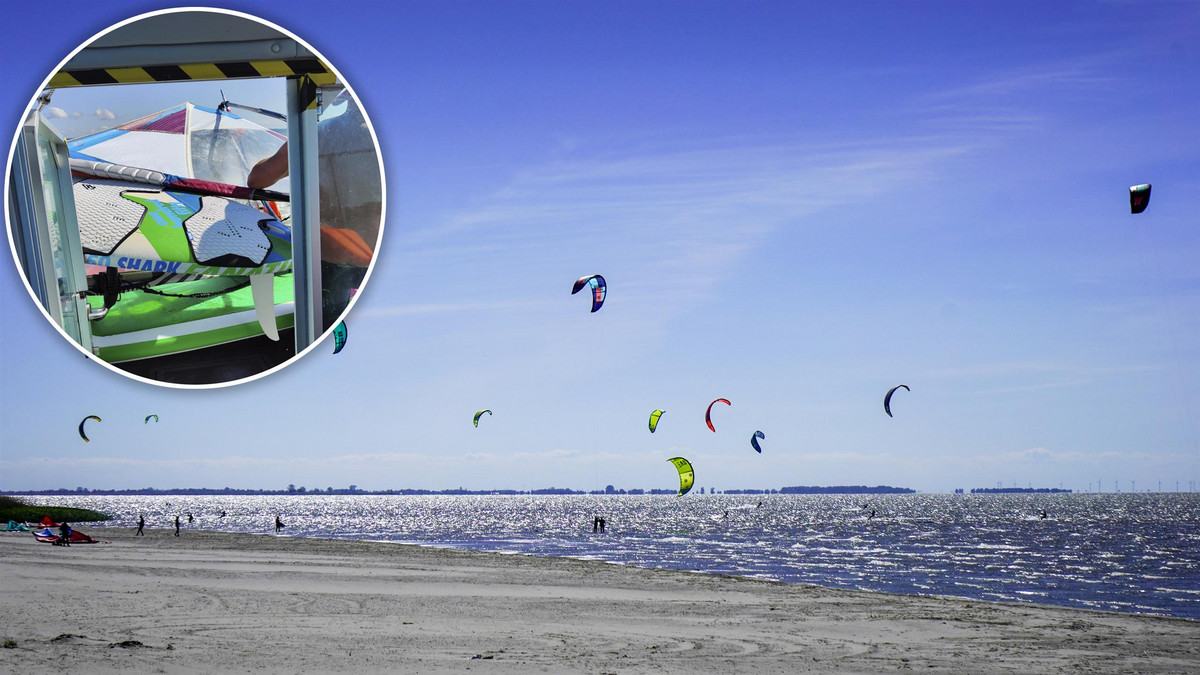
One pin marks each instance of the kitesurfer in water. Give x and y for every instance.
(176, 525)
(1044, 514)
(190, 519)
(278, 524)
(141, 524)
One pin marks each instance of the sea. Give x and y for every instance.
(1131, 553)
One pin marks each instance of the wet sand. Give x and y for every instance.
(234, 603)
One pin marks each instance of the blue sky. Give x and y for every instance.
(797, 206)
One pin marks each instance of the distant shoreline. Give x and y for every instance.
(610, 490)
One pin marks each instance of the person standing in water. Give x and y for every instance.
(177, 526)
(141, 524)
(278, 524)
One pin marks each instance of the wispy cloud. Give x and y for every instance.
(104, 114)
(54, 112)
(678, 218)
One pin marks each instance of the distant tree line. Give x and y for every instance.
(1015, 490)
(845, 490)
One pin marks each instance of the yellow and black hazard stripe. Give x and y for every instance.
(317, 71)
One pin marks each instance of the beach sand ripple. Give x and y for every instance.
(235, 603)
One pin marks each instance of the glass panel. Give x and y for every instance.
(63, 237)
(351, 200)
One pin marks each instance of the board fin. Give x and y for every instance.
(262, 288)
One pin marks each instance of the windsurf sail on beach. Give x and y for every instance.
(687, 477)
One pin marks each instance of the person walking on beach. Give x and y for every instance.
(177, 526)
(278, 524)
(64, 533)
(141, 524)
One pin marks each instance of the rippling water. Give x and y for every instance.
(1137, 553)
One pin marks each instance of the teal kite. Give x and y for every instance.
(339, 337)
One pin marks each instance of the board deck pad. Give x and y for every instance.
(109, 216)
(128, 226)
(221, 239)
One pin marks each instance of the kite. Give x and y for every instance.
(754, 441)
(1139, 198)
(479, 414)
(83, 435)
(686, 476)
(339, 337)
(654, 419)
(708, 413)
(148, 419)
(596, 282)
(887, 400)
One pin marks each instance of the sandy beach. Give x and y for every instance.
(232, 603)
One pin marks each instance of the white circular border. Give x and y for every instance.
(7, 187)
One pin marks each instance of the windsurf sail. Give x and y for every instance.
(186, 141)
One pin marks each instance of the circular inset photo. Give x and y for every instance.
(195, 198)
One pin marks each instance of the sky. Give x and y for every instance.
(797, 206)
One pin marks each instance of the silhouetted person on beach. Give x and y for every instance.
(278, 524)
(176, 526)
(601, 525)
(141, 524)
(190, 518)
(595, 523)
(64, 533)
